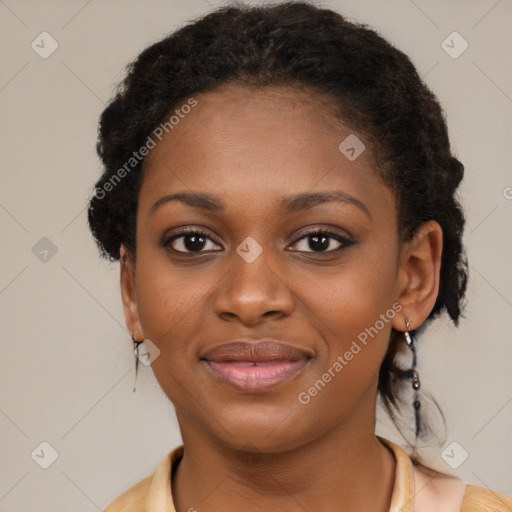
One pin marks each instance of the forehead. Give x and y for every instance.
(257, 144)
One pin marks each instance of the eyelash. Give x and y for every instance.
(345, 242)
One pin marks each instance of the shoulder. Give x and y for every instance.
(132, 499)
(445, 493)
(481, 499)
(153, 492)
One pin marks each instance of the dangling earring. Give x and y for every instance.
(136, 353)
(413, 374)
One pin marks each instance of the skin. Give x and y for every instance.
(267, 451)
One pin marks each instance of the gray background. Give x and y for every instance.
(66, 365)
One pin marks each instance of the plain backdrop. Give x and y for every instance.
(67, 367)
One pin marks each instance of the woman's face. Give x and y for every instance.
(257, 271)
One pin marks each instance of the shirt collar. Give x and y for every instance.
(402, 498)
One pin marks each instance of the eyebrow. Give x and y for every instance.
(288, 204)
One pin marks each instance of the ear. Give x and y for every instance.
(129, 295)
(418, 275)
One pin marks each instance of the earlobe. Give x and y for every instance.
(128, 293)
(418, 275)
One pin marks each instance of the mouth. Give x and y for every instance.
(255, 366)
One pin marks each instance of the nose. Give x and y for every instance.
(253, 292)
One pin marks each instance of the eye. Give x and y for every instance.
(321, 240)
(197, 241)
(190, 241)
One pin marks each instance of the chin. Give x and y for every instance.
(263, 429)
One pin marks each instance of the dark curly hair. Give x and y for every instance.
(374, 87)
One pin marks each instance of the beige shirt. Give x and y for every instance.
(413, 491)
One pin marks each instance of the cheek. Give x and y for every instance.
(171, 311)
(354, 310)
(160, 304)
(354, 295)
(168, 296)
(356, 325)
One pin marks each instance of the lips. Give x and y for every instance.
(255, 366)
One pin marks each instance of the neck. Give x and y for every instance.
(347, 468)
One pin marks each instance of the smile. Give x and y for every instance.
(255, 367)
(254, 377)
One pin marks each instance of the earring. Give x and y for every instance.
(413, 374)
(136, 353)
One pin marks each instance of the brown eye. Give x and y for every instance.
(191, 241)
(321, 241)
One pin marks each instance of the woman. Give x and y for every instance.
(279, 191)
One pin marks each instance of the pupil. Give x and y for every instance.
(194, 242)
(318, 243)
